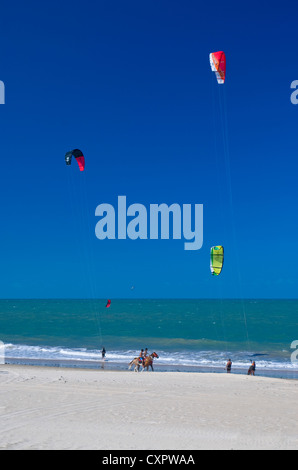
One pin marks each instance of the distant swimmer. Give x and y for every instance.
(252, 369)
(229, 366)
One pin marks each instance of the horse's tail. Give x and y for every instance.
(131, 363)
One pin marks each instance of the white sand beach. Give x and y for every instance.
(64, 408)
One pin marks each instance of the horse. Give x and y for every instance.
(148, 362)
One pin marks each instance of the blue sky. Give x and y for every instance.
(130, 84)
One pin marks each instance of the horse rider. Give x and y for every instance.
(141, 357)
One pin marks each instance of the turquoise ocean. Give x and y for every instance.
(188, 335)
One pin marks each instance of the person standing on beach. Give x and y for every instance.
(229, 366)
(252, 369)
(103, 352)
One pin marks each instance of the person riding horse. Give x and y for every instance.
(145, 362)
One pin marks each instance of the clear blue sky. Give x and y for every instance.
(130, 84)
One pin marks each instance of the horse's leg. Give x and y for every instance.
(131, 363)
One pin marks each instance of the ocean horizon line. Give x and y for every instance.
(151, 298)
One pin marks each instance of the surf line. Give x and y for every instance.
(158, 219)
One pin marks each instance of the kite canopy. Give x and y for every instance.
(108, 304)
(78, 156)
(216, 259)
(218, 65)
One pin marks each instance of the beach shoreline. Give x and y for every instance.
(121, 366)
(76, 408)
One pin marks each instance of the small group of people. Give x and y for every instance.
(251, 370)
(142, 356)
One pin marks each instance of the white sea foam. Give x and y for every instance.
(212, 359)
